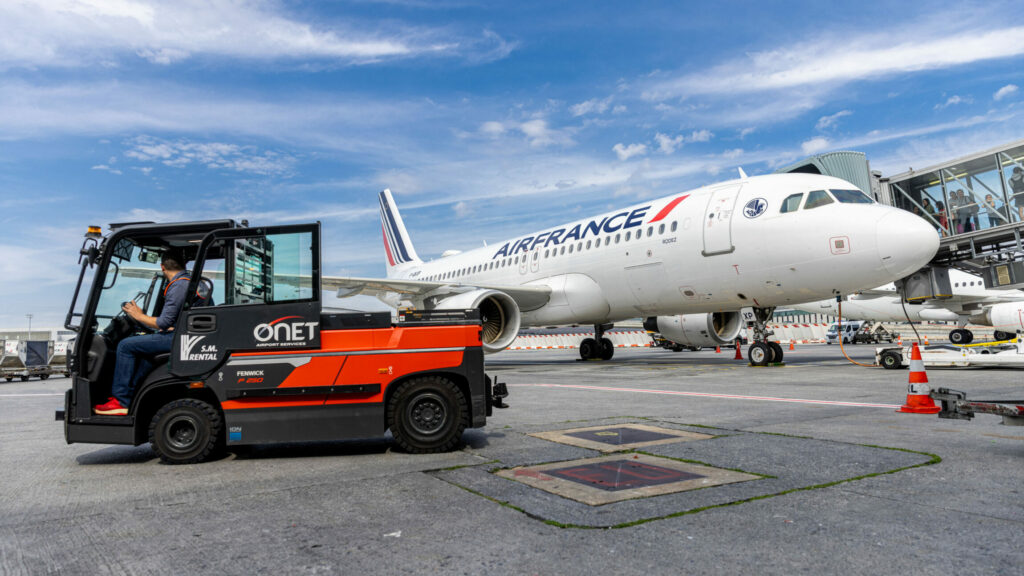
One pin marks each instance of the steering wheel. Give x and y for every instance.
(122, 317)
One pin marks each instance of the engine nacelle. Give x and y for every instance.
(499, 314)
(712, 329)
(1005, 317)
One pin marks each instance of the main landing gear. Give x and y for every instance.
(961, 336)
(598, 347)
(761, 351)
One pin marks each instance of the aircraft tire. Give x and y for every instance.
(589, 349)
(1000, 335)
(961, 336)
(759, 354)
(777, 353)
(607, 349)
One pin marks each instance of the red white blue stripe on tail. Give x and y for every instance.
(397, 245)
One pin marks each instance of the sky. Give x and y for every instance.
(487, 120)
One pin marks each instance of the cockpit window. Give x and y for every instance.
(852, 197)
(791, 203)
(817, 198)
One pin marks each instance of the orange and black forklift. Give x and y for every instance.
(255, 359)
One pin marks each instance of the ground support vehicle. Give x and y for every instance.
(874, 334)
(254, 359)
(999, 354)
(659, 341)
(955, 405)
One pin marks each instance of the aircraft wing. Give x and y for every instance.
(526, 297)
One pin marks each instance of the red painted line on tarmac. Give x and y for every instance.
(709, 395)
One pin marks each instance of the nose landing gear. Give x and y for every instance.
(762, 352)
(598, 347)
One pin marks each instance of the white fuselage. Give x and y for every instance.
(717, 248)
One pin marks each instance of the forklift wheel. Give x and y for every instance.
(186, 431)
(427, 414)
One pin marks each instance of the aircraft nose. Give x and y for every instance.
(906, 242)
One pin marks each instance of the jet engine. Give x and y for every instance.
(499, 314)
(712, 329)
(1007, 317)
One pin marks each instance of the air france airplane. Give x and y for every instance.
(969, 302)
(687, 263)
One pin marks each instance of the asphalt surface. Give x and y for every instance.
(849, 486)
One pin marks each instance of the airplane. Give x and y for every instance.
(687, 263)
(970, 302)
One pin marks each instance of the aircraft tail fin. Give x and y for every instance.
(397, 245)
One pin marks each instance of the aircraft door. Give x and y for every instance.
(718, 221)
(535, 260)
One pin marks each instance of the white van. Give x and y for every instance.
(850, 328)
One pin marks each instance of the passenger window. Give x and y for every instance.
(617, 238)
(673, 226)
(570, 248)
(816, 199)
(791, 203)
(661, 229)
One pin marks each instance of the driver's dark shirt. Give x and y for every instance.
(174, 298)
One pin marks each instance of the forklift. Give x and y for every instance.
(255, 359)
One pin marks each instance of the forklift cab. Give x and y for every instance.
(270, 274)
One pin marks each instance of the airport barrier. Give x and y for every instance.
(624, 338)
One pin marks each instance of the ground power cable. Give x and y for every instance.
(840, 332)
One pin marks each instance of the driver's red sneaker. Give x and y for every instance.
(111, 408)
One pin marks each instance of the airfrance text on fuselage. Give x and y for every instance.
(607, 224)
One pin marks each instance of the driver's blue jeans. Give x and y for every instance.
(133, 355)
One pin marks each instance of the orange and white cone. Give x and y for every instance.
(791, 346)
(926, 340)
(918, 399)
(718, 349)
(739, 355)
(899, 340)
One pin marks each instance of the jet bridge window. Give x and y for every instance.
(817, 199)
(852, 197)
(791, 203)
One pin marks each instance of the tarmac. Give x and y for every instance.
(818, 475)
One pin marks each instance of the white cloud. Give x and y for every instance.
(592, 106)
(105, 168)
(88, 32)
(462, 209)
(701, 136)
(837, 60)
(747, 132)
(666, 144)
(213, 155)
(540, 134)
(492, 129)
(952, 101)
(815, 145)
(1005, 91)
(626, 152)
(826, 122)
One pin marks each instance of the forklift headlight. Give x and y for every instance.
(94, 232)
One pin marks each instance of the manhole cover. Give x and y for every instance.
(621, 475)
(615, 477)
(619, 437)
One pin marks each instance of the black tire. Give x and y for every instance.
(891, 360)
(186, 431)
(676, 348)
(24, 378)
(1000, 335)
(589, 349)
(427, 415)
(777, 353)
(9, 378)
(44, 376)
(961, 336)
(607, 349)
(759, 354)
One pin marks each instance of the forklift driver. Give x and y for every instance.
(135, 352)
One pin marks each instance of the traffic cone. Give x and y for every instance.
(791, 346)
(899, 340)
(926, 340)
(718, 349)
(739, 355)
(918, 400)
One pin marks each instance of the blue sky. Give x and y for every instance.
(485, 119)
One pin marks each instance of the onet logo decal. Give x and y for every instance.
(755, 208)
(278, 332)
